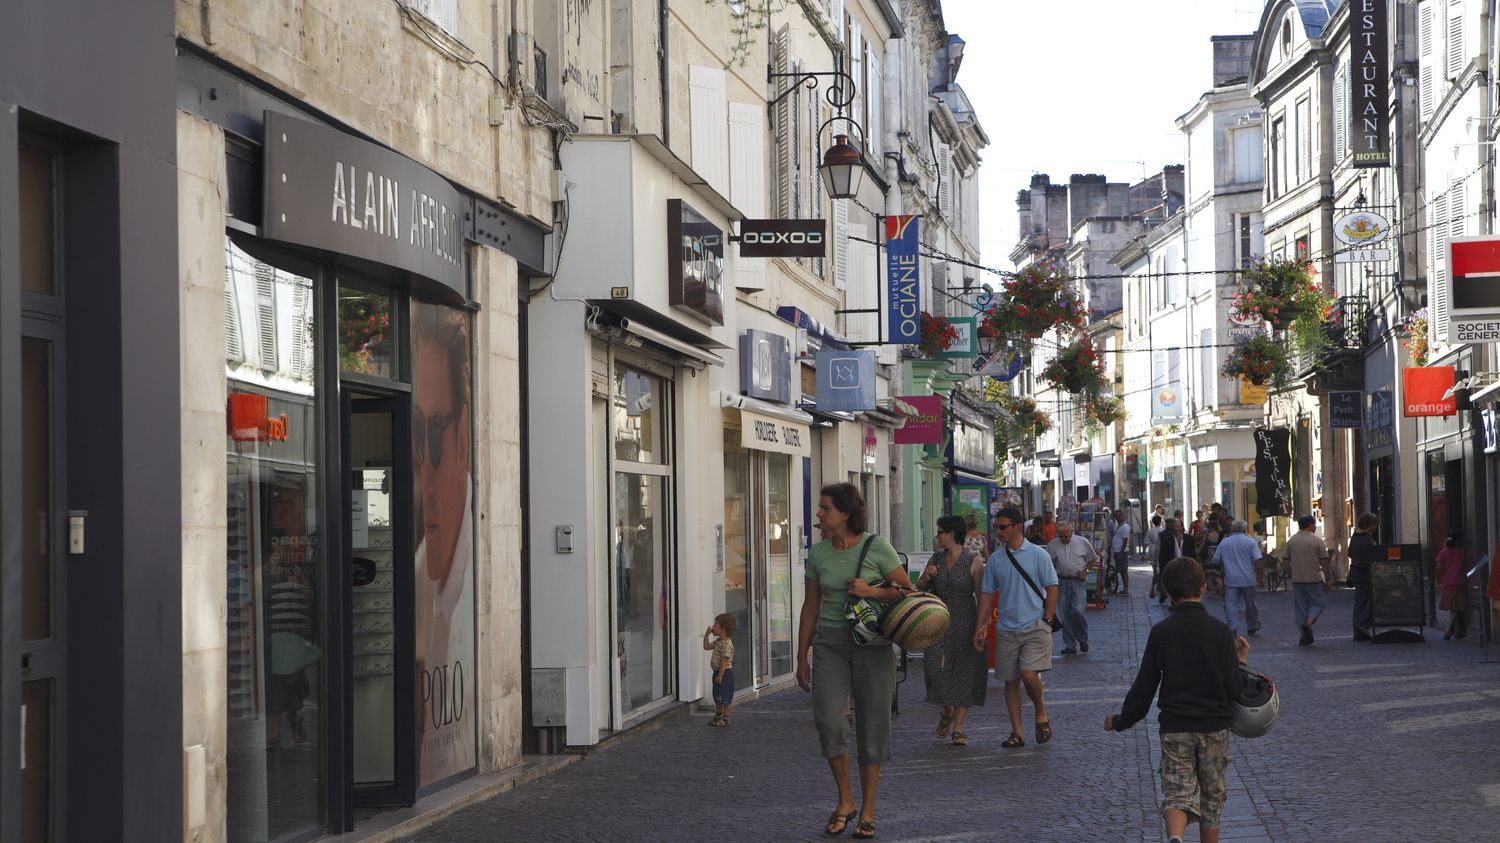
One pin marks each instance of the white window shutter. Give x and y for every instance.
(444, 13)
(709, 113)
(1428, 61)
(861, 293)
(781, 126)
(265, 316)
(747, 183)
(234, 346)
(836, 16)
(299, 338)
(945, 178)
(840, 250)
(872, 128)
(857, 72)
(1437, 271)
(1340, 113)
(1457, 58)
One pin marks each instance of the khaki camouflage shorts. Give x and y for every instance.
(1192, 774)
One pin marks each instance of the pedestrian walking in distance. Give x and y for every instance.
(956, 675)
(1153, 547)
(1194, 659)
(1172, 543)
(1361, 553)
(1312, 574)
(832, 666)
(1238, 554)
(721, 663)
(1023, 631)
(1119, 550)
(1071, 558)
(1450, 577)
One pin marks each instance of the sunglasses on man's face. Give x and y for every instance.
(1003, 526)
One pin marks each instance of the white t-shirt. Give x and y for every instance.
(1120, 541)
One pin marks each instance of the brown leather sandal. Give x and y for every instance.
(1014, 741)
(840, 820)
(959, 739)
(864, 831)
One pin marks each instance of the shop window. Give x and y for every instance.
(366, 331)
(638, 421)
(276, 697)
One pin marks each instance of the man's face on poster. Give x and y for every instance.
(440, 427)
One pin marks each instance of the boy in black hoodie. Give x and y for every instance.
(1195, 658)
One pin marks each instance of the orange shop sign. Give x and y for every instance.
(1423, 389)
(250, 421)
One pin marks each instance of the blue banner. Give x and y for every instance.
(903, 292)
(846, 381)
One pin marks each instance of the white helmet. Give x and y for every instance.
(1253, 713)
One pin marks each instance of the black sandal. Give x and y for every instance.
(864, 831)
(1043, 731)
(1015, 740)
(842, 820)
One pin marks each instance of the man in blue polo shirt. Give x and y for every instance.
(1023, 632)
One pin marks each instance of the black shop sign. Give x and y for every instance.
(1273, 471)
(782, 238)
(332, 191)
(1346, 410)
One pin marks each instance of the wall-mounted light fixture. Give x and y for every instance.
(843, 167)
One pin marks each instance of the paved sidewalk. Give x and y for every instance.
(1374, 743)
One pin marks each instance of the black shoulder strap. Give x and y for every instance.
(1029, 581)
(865, 549)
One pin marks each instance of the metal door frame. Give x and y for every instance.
(397, 403)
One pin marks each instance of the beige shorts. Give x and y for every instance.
(1028, 649)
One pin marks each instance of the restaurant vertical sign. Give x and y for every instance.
(903, 292)
(1273, 471)
(1369, 84)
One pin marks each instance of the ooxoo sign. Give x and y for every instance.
(782, 238)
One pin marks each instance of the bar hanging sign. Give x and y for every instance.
(1369, 83)
(903, 295)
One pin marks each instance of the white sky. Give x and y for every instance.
(1088, 86)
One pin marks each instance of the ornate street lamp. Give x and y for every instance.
(843, 167)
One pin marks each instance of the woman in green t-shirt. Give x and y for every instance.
(835, 571)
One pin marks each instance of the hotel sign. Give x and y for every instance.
(1369, 83)
(333, 191)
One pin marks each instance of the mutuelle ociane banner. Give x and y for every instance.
(903, 294)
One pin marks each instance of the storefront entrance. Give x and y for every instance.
(641, 512)
(757, 560)
(378, 532)
(43, 537)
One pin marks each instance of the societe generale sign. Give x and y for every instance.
(1474, 290)
(1422, 390)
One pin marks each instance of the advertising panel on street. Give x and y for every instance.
(1473, 290)
(695, 262)
(967, 344)
(1273, 471)
(1425, 390)
(1396, 586)
(1166, 387)
(903, 291)
(782, 238)
(925, 429)
(1346, 410)
(846, 381)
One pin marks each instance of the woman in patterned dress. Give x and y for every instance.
(974, 540)
(956, 673)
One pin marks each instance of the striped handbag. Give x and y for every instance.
(918, 621)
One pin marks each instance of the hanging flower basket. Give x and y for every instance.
(1027, 421)
(1032, 302)
(1260, 359)
(1104, 410)
(1076, 368)
(1416, 342)
(1281, 292)
(938, 335)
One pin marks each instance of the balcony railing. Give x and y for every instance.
(1339, 365)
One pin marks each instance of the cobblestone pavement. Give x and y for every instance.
(1392, 742)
